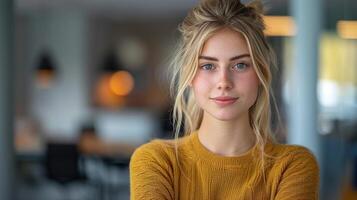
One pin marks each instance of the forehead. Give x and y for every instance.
(224, 44)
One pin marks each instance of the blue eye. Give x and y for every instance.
(207, 67)
(240, 66)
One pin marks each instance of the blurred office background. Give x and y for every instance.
(89, 84)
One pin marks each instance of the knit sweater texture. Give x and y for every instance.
(290, 172)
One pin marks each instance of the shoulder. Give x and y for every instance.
(152, 171)
(297, 171)
(152, 150)
(158, 150)
(295, 158)
(293, 152)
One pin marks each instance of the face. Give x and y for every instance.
(225, 84)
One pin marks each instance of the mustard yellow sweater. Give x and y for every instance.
(292, 173)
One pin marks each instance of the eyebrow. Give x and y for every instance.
(215, 59)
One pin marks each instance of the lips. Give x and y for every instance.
(224, 100)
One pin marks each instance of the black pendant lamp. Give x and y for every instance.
(111, 64)
(45, 70)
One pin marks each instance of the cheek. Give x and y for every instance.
(200, 85)
(249, 84)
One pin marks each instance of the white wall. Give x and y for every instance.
(61, 108)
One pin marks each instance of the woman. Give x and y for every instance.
(222, 80)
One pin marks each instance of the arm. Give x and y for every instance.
(300, 180)
(150, 175)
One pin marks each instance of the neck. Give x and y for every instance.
(226, 138)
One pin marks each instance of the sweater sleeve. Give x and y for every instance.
(300, 180)
(150, 174)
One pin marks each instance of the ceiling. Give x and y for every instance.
(125, 8)
(117, 9)
(148, 9)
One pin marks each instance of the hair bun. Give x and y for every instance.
(223, 12)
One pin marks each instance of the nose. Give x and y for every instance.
(225, 82)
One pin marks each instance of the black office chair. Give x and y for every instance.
(63, 165)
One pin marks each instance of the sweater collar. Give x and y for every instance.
(205, 155)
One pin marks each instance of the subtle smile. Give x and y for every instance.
(224, 100)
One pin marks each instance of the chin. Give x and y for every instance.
(226, 116)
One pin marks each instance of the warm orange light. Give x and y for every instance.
(44, 78)
(104, 96)
(279, 26)
(347, 29)
(122, 83)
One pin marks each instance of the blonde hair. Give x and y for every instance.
(202, 22)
